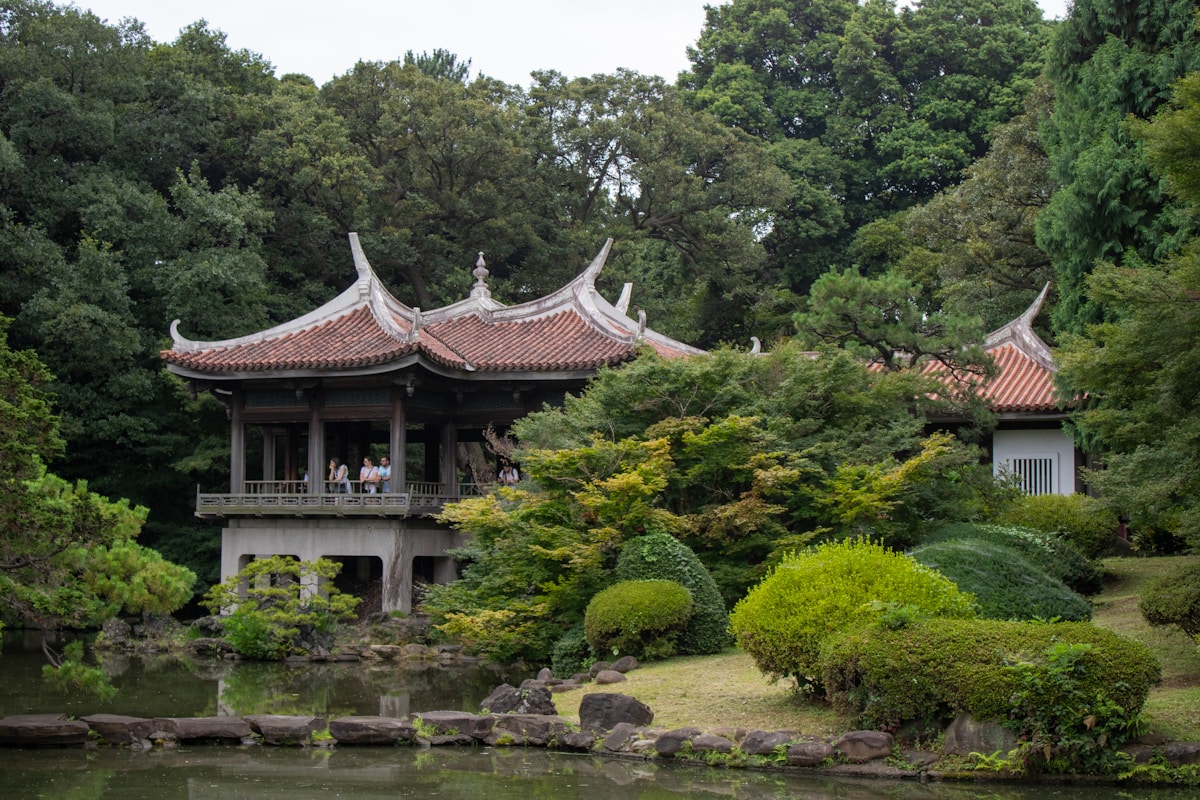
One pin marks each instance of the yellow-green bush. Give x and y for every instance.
(934, 669)
(638, 618)
(812, 595)
(1083, 520)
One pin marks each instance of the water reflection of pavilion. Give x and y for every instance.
(367, 376)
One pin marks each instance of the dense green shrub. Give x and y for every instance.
(1006, 585)
(1085, 521)
(1174, 599)
(643, 619)
(658, 556)
(1053, 552)
(784, 621)
(572, 653)
(277, 608)
(935, 669)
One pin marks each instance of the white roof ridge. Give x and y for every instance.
(1019, 333)
(367, 289)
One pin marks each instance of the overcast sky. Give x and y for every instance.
(505, 39)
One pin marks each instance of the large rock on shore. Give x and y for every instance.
(506, 699)
(602, 711)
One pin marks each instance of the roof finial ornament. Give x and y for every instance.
(755, 346)
(480, 289)
(641, 333)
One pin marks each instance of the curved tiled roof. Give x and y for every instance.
(1025, 379)
(1022, 384)
(1025, 370)
(367, 329)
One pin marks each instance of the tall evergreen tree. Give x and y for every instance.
(1110, 60)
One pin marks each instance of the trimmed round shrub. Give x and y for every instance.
(1006, 585)
(572, 653)
(1083, 520)
(812, 595)
(1174, 599)
(1051, 551)
(935, 669)
(638, 618)
(659, 556)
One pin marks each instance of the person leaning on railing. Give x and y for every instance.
(339, 477)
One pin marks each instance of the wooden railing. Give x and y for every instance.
(291, 498)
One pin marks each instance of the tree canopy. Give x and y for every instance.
(68, 556)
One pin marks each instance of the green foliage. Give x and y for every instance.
(278, 606)
(70, 673)
(537, 555)
(1065, 723)
(934, 669)
(1051, 552)
(810, 596)
(68, 556)
(1174, 599)
(643, 618)
(867, 110)
(756, 442)
(1110, 63)
(1141, 405)
(572, 653)
(893, 499)
(1005, 584)
(662, 557)
(1086, 522)
(974, 245)
(880, 319)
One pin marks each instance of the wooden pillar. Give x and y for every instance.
(237, 445)
(268, 453)
(398, 442)
(449, 448)
(316, 448)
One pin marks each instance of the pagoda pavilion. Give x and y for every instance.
(366, 376)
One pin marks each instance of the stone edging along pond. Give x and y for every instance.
(611, 724)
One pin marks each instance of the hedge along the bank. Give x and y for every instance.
(659, 556)
(937, 668)
(1006, 585)
(813, 595)
(1052, 552)
(638, 618)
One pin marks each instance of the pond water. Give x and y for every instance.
(175, 687)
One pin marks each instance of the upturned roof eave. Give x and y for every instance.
(400, 365)
(366, 291)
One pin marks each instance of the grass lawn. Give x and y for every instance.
(714, 691)
(727, 690)
(1172, 705)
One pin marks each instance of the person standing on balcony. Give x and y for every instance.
(385, 474)
(368, 476)
(509, 475)
(339, 477)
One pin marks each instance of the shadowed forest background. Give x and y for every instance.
(962, 152)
